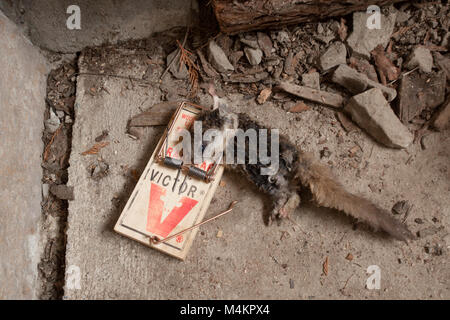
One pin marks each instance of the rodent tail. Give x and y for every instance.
(327, 192)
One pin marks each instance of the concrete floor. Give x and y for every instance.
(22, 91)
(251, 260)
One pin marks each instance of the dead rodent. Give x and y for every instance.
(297, 169)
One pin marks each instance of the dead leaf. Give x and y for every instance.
(349, 257)
(95, 148)
(264, 95)
(300, 107)
(325, 267)
(385, 66)
(222, 183)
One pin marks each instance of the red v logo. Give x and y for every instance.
(155, 210)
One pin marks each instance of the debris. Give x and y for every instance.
(419, 92)
(346, 123)
(443, 63)
(362, 40)
(386, 68)
(325, 153)
(335, 55)
(62, 191)
(222, 183)
(178, 70)
(421, 57)
(207, 68)
(98, 170)
(186, 59)
(45, 190)
(254, 56)
(299, 107)
(291, 284)
(218, 58)
(442, 118)
(323, 97)
(357, 82)
(219, 234)
(401, 208)
(418, 221)
(52, 139)
(247, 78)
(102, 136)
(95, 148)
(349, 257)
(265, 43)
(252, 43)
(343, 30)
(264, 95)
(429, 231)
(290, 63)
(364, 66)
(52, 123)
(372, 112)
(311, 80)
(325, 266)
(158, 115)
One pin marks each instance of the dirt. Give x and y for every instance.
(61, 86)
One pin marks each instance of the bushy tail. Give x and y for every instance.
(327, 192)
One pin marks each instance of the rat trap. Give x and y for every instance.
(170, 198)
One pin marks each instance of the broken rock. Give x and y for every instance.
(218, 58)
(327, 98)
(372, 112)
(335, 55)
(311, 80)
(265, 43)
(442, 119)
(254, 56)
(363, 39)
(418, 92)
(356, 82)
(52, 123)
(422, 58)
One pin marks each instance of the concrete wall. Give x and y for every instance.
(101, 20)
(22, 102)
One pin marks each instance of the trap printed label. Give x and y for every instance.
(166, 200)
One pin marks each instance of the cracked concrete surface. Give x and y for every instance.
(251, 260)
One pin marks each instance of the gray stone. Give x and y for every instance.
(311, 80)
(45, 189)
(265, 43)
(254, 56)
(372, 112)
(218, 59)
(336, 54)
(357, 82)
(252, 43)
(53, 122)
(362, 40)
(179, 72)
(421, 57)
